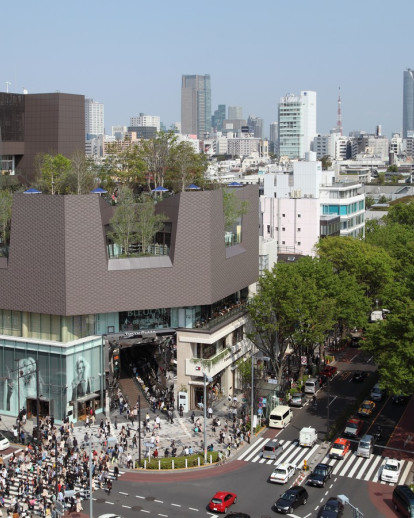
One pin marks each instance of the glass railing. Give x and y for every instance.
(136, 251)
(222, 315)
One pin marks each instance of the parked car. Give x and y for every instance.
(320, 474)
(292, 498)
(332, 509)
(390, 471)
(399, 399)
(272, 450)
(282, 473)
(298, 399)
(353, 427)
(339, 448)
(221, 501)
(366, 409)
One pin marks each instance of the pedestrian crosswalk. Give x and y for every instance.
(352, 466)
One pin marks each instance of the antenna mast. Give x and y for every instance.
(7, 86)
(339, 120)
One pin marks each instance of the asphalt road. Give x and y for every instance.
(186, 494)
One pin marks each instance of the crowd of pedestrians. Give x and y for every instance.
(55, 468)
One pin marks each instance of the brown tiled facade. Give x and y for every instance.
(40, 123)
(58, 261)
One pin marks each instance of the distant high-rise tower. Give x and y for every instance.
(297, 124)
(94, 118)
(235, 113)
(218, 117)
(339, 119)
(408, 102)
(196, 105)
(274, 138)
(255, 126)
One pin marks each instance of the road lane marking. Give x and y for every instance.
(193, 509)
(256, 448)
(121, 493)
(355, 467)
(144, 511)
(372, 468)
(176, 505)
(332, 400)
(142, 497)
(110, 503)
(127, 506)
(159, 501)
(164, 515)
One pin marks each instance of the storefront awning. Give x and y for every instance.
(88, 397)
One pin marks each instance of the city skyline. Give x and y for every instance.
(318, 47)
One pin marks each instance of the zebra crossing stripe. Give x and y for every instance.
(355, 467)
(253, 447)
(377, 460)
(343, 465)
(404, 476)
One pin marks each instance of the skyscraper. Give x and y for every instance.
(408, 102)
(255, 126)
(297, 124)
(235, 113)
(196, 105)
(218, 117)
(94, 118)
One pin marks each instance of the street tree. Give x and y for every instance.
(148, 224)
(391, 343)
(157, 155)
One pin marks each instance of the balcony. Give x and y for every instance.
(215, 364)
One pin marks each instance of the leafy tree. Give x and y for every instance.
(53, 173)
(391, 343)
(148, 224)
(369, 201)
(124, 230)
(401, 213)
(392, 168)
(233, 208)
(326, 162)
(81, 176)
(156, 153)
(134, 222)
(187, 166)
(372, 267)
(6, 201)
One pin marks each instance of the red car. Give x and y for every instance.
(353, 427)
(329, 371)
(221, 501)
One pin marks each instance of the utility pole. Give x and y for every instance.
(139, 430)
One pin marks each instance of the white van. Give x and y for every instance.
(311, 386)
(280, 416)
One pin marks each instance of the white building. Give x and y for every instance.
(298, 208)
(243, 146)
(119, 132)
(297, 124)
(153, 121)
(94, 118)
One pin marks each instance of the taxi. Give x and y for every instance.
(366, 409)
(339, 448)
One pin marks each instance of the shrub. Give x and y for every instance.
(179, 462)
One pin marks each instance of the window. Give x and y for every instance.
(299, 243)
(283, 215)
(283, 242)
(283, 229)
(268, 229)
(299, 215)
(299, 229)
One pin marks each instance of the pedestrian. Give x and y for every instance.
(87, 423)
(158, 421)
(109, 486)
(115, 423)
(192, 416)
(181, 410)
(210, 412)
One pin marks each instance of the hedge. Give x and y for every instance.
(179, 462)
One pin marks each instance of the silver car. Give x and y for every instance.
(297, 399)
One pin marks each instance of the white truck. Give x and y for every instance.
(308, 437)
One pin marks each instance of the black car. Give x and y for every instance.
(320, 474)
(292, 498)
(332, 509)
(236, 514)
(359, 376)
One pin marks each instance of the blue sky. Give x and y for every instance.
(130, 55)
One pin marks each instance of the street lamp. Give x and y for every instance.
(205, 379)
(356, 513)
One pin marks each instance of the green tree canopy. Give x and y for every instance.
(6, 201)
(53, 171)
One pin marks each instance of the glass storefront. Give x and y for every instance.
(71, 377)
